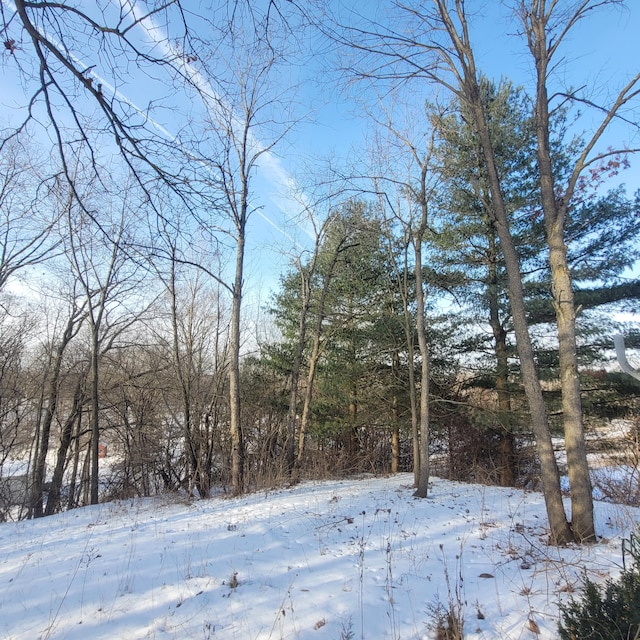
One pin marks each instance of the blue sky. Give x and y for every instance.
(603, 51)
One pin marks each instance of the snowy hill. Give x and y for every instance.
(334, 560)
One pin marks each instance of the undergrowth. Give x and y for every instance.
(611, 612)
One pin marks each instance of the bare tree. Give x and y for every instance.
(84, 58)
(546, 25)
(74, 66)
(247, 117)
(71, 322)
(337, 245)
(17, 324)
(200, 359)
(435, 46)
(27, 211)
(110, 282)
(406, 183)
(71, 422)
(307, 273)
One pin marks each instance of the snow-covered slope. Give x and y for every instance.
(342, 559)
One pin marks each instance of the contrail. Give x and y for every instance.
(159, 37)
(103, 81)
(269, 162)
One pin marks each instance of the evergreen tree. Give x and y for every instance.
(357, 343)
(469, 250)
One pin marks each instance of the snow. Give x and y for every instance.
(340, 559)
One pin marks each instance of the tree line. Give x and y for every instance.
(454, 307)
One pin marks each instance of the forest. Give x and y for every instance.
(447, 303)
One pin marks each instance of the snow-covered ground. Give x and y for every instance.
(327, 561)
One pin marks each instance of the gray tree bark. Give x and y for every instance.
(469, 90)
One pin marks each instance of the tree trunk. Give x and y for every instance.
(305, 291)
(85, 480)
(468, 90)
(306, 406)
(422, 486)
(559, 526)
(578, 468)
(53, 499)
(411, 379)
(353, 442)
(39, 475)
(95, 414)
(395, 414)
(235, 426)
(504, 433)
(315, 356)
(71, 499)
(403, 289)
(555, 211)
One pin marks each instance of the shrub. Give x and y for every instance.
(609, 613)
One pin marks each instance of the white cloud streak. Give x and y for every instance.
(284, 183)
(270, 164)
